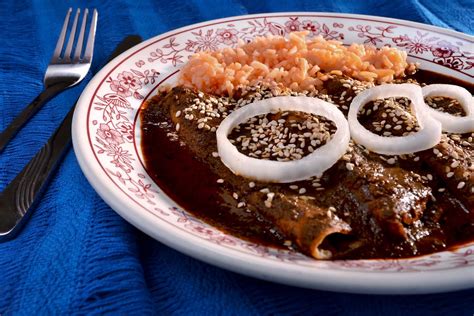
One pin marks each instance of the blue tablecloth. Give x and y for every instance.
(76, 255)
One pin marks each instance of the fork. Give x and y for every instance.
(64, 70)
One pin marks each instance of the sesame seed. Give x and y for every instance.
(391, 161)
(429, 176)
(455, 137)
(251, 184)
(455, 164)
(349, 166)
(441, 189)
(177, 127)
(302, 191)
(450, 174)
(215, 154)
(265, 190)
(461, 185)
(268, 201)
(294, 187)
(235, 196)
(220, 181)
(241, 204)
(178, 114)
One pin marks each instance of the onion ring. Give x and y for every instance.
(449, 122)
(313, 164)
(428, 136)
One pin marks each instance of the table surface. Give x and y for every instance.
(76, 255)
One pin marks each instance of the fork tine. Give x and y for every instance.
(60, 43)
(70, 42)
(80, 39)
(91, 38)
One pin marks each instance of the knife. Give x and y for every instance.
(20, 196)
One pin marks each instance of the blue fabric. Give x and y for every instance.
(76, 255)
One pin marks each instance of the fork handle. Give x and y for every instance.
(23, 192)
(18, 122)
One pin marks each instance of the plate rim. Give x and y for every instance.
(252, 265)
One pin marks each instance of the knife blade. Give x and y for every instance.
(18, 199)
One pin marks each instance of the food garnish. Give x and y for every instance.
(449, 122)
(314, 164)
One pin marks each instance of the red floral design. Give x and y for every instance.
(115, 100)
(120, 89)
(275, 28)
(371, 37)
(416, 45)
(311, 26)
(469, 65)
(444, 49)
(109, 135)
(227, 36)
(204, 41)
(126, 129)
(451, 62)
(121, 158)
(127, 79)
(293, 25)
(173, 54)
(329, 34)
(441, 52)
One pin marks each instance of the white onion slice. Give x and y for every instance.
(430, 129)
(451, 123)
(313, 164)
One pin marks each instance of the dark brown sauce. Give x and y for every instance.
(188, 181)
(430, 77)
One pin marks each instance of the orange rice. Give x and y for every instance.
(294, 62)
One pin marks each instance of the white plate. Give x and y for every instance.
(106, 142)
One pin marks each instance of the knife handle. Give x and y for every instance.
(19, 197)
(18, 122)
